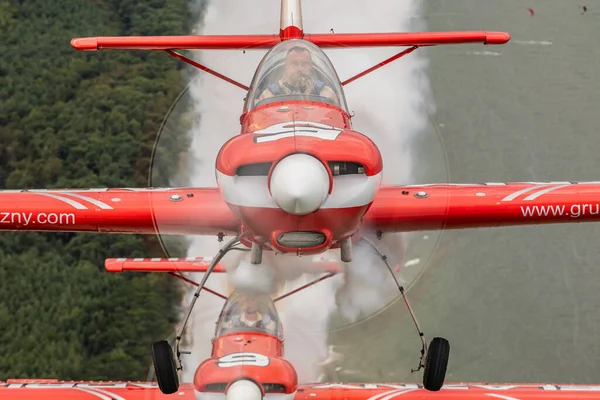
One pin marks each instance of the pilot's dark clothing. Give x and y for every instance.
(280, 88)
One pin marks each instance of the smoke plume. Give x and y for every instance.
(388, 107)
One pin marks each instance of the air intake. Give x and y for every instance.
(258, 169)
(273, 388)
(216, 387)
(301, 240)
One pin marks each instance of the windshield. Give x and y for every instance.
(245, 312)
(295, 70)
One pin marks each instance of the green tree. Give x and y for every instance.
(72, 119)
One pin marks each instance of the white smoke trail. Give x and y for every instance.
(388, 106)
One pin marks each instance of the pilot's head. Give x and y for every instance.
(297, 67)
(250, 305)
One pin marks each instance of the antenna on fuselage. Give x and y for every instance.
(290, 24)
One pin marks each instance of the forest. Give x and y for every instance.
(82, 120)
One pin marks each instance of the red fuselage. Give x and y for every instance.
(299, 167)
(253, 356)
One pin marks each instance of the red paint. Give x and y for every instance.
(291, 32)
(474, 206)
(324, 391)
(131, 211)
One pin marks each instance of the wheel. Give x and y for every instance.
(165, 367)
(436, 364)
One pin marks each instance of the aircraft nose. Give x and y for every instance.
(299, 184)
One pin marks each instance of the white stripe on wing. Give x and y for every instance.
(95, 202)
(70, 202)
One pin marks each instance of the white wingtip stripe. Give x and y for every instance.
(95, 202)
(535, 195)
(500, 396)
(112, 395)
(99, 395)
(514, 195)
(380, 395)
(70, 202)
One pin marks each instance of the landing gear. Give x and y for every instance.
(165, 368)
(166, 362)
(231, 245)
(436, 364)
(435, 359)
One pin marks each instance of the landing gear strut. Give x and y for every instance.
(167, 364)
(434, 360)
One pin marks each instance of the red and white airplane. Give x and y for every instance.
(298, 180)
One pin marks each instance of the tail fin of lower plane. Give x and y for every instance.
(187, 264)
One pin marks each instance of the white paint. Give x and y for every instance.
(500, 396)
(70, 202)
(353, 190)
(241, 359)
(246, 191)
(95, 202)
(252, 191)
(297, 128)
(516, 194)
(535, 195)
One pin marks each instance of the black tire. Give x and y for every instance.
(436, 364)
(165, 367)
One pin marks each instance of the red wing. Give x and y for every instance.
(441, 207)
(167, 211)
(49, 389)
(450, 391)
(325, 40)
(189, 264)
(28, 389)
(176, 42)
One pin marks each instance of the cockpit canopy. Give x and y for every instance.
(295, 70)
(247, 313)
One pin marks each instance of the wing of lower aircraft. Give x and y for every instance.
(450, 391)
(460, 206)
(22, 389)
(170, 211)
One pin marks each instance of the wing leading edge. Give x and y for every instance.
(171, 211)
(188, 211)
(460, 206)
(450, 391)
(53, 389)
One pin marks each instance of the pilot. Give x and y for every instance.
(298, 77)
(250, 317)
